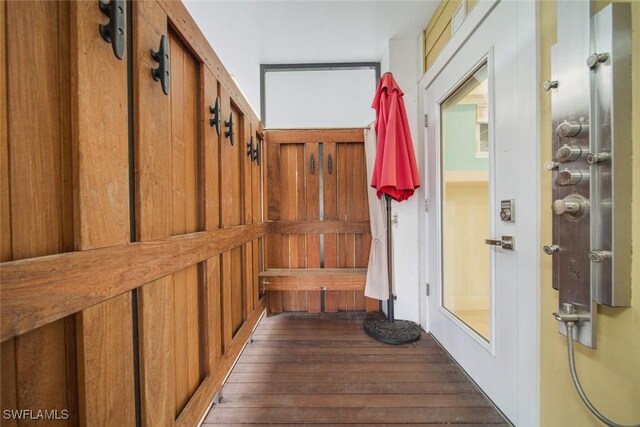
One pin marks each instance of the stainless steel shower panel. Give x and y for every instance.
(571, 205)
(610, 158)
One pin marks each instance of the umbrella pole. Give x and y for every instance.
(390, 314)
(390, 330)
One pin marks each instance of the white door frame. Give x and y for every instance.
(528, 185)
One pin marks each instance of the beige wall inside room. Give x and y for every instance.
(610, 374)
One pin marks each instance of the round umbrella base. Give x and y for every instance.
(397, 332)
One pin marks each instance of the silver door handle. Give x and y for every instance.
(507, 242)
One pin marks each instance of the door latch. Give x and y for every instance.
(507, 243)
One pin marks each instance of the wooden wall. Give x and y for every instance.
(299, 181)
(131, 230)
(438, 32)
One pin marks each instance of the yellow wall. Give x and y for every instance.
(438, 31)
(610, 374)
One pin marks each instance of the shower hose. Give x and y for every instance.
(574, 375)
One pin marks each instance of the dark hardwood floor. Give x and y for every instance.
(324, 369)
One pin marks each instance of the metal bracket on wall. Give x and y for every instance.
(161, 56)
(229, 133)
(114, 31)
(214, 121)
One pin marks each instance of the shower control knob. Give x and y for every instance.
(549, 84)
(567, 129)
(596, 58)
(597, 158)
(551, 165)
(568, 153)
(550, 250)
(573, 206)
(569, 177)
(599, 256)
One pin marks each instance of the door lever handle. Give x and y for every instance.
(507, 242)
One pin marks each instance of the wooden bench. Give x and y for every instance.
(313, 279)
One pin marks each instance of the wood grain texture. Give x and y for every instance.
(70, 280)
(318, 227)
(313, 279)
(185, 150)
(303, 136)
(154, 207)
(37, 192)
(210, 156)
(101, 218)
(194, 410)
(343, 382)
(5, 198)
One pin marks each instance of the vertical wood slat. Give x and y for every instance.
(275, 242)
(312, 205)
(231, 187)
(154, 205)
(185, 121)
(247, 193)
(8, 387)
(330, 196)
(37, 197)
(211, 221)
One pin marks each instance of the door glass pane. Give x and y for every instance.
(465, 203)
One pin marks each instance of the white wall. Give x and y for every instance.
(401, 57)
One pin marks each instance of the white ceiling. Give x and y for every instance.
(246, 34)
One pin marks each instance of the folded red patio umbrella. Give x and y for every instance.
(395, 172)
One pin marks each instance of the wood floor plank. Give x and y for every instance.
(345, 388)
(310, 370)
(387, 350)
(352, 377)
(356, 415)
(343, 368)
(250, 359)
(471, 400)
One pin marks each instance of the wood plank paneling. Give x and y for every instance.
(64, 278)
(302, 136)
(5, 201)
(154, 207)
(101, 201)
(318, 227)
(312, 205)
(185, 148)
(330, 196)
(37, 197)
(346, 381)
(65, 186)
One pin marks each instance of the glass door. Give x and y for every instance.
(465, 160)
